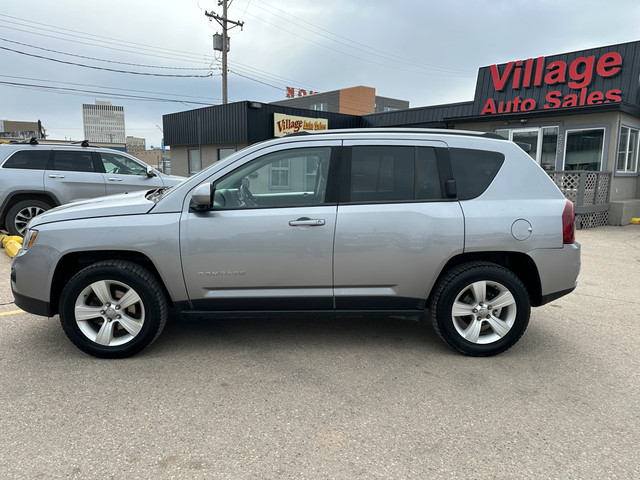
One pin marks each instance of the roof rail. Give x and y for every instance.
(31, 141)
(83, 143)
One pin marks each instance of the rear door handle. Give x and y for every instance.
(306, 222)
(56, 176)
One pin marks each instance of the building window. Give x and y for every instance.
(279, 173)
(584, 149)
(543, 141)
(195, 164)
(389, 109)
(224, 152)
(321, 107)
(628, 150)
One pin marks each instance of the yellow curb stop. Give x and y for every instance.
(11, 244)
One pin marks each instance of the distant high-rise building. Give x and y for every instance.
(103, 122)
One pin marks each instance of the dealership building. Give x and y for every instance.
(579, 111)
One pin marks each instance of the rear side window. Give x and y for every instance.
(28, 159)
(474, 170)
(393, 174)
(72, 161)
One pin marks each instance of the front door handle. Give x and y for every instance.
(56, 176)
(306, 222)
(115, 179)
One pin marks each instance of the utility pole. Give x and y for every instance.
(223, 21)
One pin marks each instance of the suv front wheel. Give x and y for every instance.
(113, 309)
(19, 215)
(480, 309)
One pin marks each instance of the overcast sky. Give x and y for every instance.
(426, 52)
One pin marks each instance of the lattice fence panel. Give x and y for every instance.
(591, 180)
(603, 189)
(592, 220)
(568, 183)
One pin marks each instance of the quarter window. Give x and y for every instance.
(28, 159)
(628, 150)
(474, 170)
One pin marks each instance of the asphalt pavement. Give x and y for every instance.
(336, 399)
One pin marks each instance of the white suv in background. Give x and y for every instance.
(35, 178)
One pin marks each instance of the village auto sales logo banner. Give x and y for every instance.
(517, 85)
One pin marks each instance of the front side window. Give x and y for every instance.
(28, 159)
(583, 150)
(628, 150)
(121, 165)
(287, 178)
(393, 174)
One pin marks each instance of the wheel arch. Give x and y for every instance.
(521, 264)
(73, 262)
(21, 195)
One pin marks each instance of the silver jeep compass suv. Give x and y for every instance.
(354, 222)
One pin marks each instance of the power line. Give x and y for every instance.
(206, 60)
(212, 100)
(68, 90)
(101, 59)
(103, 68)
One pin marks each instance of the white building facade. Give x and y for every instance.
(103, 122)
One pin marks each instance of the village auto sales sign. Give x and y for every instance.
(540, 84)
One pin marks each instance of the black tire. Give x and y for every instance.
(108, 330)
(23, 211)
(477, 327)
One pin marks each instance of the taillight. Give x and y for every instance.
(569, 223)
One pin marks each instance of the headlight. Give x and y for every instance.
(29, 238)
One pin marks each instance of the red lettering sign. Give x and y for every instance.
(577, 75)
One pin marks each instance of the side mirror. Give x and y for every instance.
(201, 197)
(151, 172)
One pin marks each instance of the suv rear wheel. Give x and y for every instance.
(480, 309)
(19, 215)
(113, 309)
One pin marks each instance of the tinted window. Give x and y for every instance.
(381, 174)
(427, 179)
(474, 170)
(72, 161)
(391, 174)
(30, 159)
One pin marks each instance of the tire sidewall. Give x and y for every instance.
(153, 311)
(10, 220)
(449, 293)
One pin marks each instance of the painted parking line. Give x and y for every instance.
(12, 312)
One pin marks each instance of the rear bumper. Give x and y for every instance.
(558, 269)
